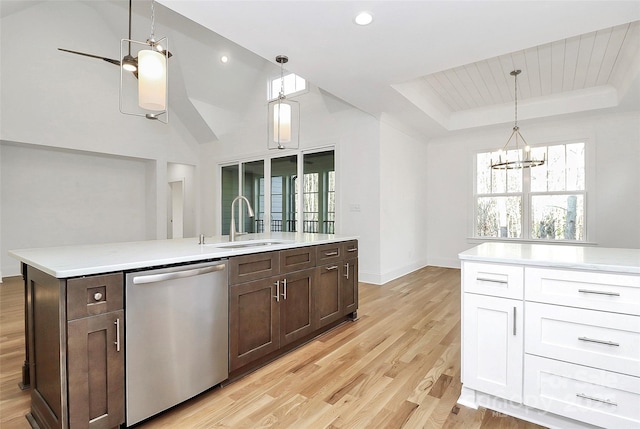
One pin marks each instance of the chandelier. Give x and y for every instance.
(524, 158)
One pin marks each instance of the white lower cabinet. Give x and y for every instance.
(560, 348)
(492, 356)
(601, 398)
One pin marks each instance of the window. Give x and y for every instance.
(540, 203)
(279, 205)
(293, 84)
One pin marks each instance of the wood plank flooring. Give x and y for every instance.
(398, 366)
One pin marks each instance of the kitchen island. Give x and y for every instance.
(283, 289)
(551, 333)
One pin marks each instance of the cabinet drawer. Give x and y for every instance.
(328, 253)
(297, 259)
(589, 395)
(350, 249)
(505, 281)
(598, 339)
(618, 293)
(253, 267)
(88, 296)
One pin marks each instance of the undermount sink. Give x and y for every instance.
(248, 243)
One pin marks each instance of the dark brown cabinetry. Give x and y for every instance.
(270, 310)
(77, 376)
(267, 314)
(336, 292)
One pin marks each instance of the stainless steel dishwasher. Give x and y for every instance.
(177, 335)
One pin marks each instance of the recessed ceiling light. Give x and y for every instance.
(224, 59)
(363, 18)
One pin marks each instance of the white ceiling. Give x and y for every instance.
(427, 67)
(433, 66)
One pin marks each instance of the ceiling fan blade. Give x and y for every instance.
(109, 60)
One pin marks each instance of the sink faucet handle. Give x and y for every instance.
(201, 241)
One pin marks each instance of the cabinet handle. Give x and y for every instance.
(347, 272)
(331, 253)
(331, 268)
(277, 296)
(353, 249)
(117, 342)
(598, 292)
(482, 279)
(97, 296)
(514, 320)
(591, 398)
(284, 289)
(592, 340)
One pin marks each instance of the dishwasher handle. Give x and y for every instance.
(154, 278)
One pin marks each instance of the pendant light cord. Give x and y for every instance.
(515, 91)
(281, 79)
(153, 20)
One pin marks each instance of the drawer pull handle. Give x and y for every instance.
(592, 340)
(277, 295)
(591, 398)
(598, 292)
(97, 296)
(354, 249)
(347, 270)
(482, 279)
(331, 253)
(331, 268)
(514, 320)
(117, 342)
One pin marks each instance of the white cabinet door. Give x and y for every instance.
(493, 345)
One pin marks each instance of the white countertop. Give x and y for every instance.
(80, 260)
(560, 256)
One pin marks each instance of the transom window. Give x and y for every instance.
(293, 84)
(541, 203)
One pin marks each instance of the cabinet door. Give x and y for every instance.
(349, 287)
(296, 309)
(328, 298)
(254, 321)
(96, 371)
(493, 346)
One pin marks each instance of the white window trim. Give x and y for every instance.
(589, 199)
(289, 95)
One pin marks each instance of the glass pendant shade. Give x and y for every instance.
(284, 124)
(152, 80)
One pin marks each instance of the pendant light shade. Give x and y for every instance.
(152, 80)
(283, 117)
(144, 75)
(522, 158)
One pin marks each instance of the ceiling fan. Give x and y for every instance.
(129, 62)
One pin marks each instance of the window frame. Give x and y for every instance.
(527, 196)
(297, 194)
(293, 94)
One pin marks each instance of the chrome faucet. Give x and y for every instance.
(232, 229)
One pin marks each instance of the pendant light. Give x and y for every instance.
(151, 73)
(524, 158)
(283, 117)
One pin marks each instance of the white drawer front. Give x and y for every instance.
(505, 281)
(594, 338)
(618, 293)
(589, 395)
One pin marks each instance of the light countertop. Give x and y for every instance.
(558, 256)
(80, 260)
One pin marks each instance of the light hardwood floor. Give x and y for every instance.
(398, 366)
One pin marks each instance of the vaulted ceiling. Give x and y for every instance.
(434, 66)
(427, 67)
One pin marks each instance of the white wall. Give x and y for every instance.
(613, 202)
(404, 201)
(55, 100)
